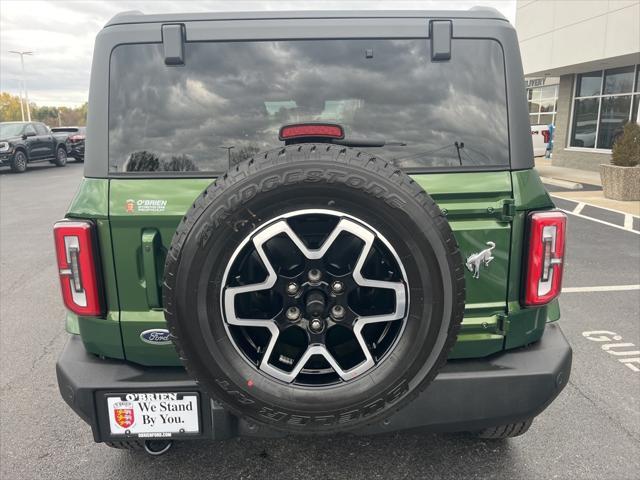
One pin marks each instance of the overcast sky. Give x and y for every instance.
(61, 34)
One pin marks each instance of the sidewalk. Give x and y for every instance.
(545, 169)
(591, 196)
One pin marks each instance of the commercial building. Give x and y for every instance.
(581, 63)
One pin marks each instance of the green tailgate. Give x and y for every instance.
(142, 215)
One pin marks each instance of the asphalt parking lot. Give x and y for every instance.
(591, 431)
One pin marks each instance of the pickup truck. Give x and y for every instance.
(22, 143)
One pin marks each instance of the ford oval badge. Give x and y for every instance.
(156, 336)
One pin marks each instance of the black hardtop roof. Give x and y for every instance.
(128, 17)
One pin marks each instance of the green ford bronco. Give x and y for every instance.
(309, 223)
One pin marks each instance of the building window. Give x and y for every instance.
(542, 104)
(604, 101)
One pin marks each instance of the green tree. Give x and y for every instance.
(142, 161)
(52, 116)
(9, 108)
(179, 163)
(243, 153)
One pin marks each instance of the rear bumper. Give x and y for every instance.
(75, 150)
(466, 395)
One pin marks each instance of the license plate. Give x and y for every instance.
(149, 415)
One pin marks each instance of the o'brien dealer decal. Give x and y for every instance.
(145, 206)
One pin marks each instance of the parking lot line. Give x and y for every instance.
(601, 288)
(553, 195)
(628, 221)
(578, 208)
(620, 227)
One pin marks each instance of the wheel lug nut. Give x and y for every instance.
(293, 313)
(337, 286)
(315, 275)
(337, 312)
(315, 325)
(292, 288)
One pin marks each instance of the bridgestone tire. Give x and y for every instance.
(313, 176)
(506, 431)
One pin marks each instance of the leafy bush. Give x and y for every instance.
(626, 149)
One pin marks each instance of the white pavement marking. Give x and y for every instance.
(578, 208)
(628, 221)
(591, 205)
(601, 221)
(601, 288)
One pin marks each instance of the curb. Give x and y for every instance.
(562, 183)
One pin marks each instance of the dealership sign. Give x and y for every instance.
(540, 81)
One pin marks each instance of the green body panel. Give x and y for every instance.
(91, 199)
(71, 323)
(128, 228)
(137, 218)
(102, 335)
(553, 311)
(478, 207)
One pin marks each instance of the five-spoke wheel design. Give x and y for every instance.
(315, 297)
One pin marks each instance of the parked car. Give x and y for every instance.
(22, 143)
(313, 229)
(74, 138)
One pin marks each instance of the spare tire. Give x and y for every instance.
(314, 288)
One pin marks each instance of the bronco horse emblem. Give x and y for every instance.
(482, 258)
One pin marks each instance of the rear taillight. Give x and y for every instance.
(78, 267)
(318, 130)
(76, 138)
(543, 279)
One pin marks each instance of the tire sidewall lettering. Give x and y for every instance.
(247, 193)
(274, 416)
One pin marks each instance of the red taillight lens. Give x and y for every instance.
(77, 266)
(543, 279)
(325, 130)
(76, 138)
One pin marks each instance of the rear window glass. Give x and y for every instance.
(230, 99)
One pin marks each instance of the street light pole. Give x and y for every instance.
(228, 154)
(24, 84)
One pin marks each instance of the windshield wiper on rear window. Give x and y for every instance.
(460, 148)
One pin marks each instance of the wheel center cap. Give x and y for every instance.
(315, 304)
